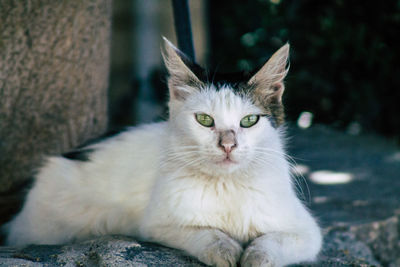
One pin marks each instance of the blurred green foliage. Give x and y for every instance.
(345, 60)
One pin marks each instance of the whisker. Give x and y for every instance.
(279, 155)
(296, 173)
(187, 164)
(273, 150)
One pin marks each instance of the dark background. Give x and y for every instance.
(344, 64)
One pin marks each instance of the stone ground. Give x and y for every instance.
(354, 191)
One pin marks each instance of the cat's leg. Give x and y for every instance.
(211, 246)
(280, 249)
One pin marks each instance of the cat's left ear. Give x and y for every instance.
(182, 81)
(268, 81)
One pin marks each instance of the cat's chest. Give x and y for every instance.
(238, 209)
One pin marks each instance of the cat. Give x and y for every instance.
(212, 181)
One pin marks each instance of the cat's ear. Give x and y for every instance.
(268, 81)
(182, 81)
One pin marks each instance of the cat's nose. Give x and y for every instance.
(228, 147)
(227, 141)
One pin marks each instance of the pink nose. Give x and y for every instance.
(228, 147)
(227, 141)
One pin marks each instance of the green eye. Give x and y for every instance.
(249, 121)
(205, 120)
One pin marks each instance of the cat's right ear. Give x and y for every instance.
(182, 81)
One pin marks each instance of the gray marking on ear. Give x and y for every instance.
(182, 81)
(267, 84)
(268, 81)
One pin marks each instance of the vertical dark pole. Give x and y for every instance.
(183, 27)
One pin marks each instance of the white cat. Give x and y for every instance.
(212, 180)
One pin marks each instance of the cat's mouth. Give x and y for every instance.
(227, 161)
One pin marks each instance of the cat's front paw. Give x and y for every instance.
(223, 252)
(255, 257)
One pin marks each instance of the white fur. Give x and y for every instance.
(175, 184)
(163, 182)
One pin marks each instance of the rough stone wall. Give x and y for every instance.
(54, 65)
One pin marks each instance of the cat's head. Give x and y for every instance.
(223, 123)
